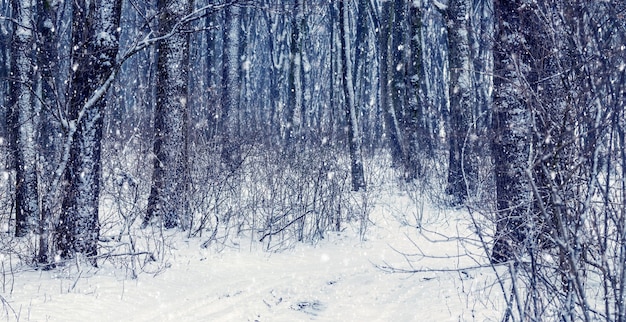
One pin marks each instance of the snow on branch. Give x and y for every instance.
(150, 39)
(441, 6)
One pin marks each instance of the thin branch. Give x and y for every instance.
(272, 233)
(391, 269)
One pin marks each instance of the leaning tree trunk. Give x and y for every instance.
(95, 43)
(167, 195)
(23, 117)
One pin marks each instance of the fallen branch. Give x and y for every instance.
(390, 269)
(272, 233)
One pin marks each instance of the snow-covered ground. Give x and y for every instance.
(335, 280)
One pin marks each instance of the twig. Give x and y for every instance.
(390, 269)
(272, 233)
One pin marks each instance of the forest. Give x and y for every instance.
(286, 122)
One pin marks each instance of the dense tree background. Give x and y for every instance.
(266, 117)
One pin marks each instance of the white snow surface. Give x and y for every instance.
(335, 280)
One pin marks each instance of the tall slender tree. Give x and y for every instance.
(364, 67)
(387, 67)
(5, 42)
(295, 102)
(169, 177)
(23, 118)
(461, 136)
(511, 119)
(418, 141)
(354, 133)
(229, 120)
(48, 62)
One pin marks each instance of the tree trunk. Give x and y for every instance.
(461, 137)
(418, 141)
(295, 79)
(48, 61)
(169, 180)
(229, 122)
(23, 119)
(386, 93)
(354, 134)
(5, 42)
(95, 42)
(511, 140)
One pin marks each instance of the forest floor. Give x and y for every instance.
(341, 278)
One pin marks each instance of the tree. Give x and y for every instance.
(95, 30)
(295, 97)
(23, 118)
(365, 74)
(415, 123)
(387, 66)
(400, 74)
(49, 89)
(5, 42)
(461, 133)
(169, 179)
(511, 118)
(229, 120)
(354, 134)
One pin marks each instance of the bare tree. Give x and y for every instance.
(294, 112)
(169, 177)
(461, 136)
(95, 29)
(354, 133)
(229, 120)
(511, 119)
(23, 116)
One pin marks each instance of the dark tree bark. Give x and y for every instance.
(398, 83)
(95, 29)
(400, 70)
(5, 42)
(385, 80)
(23, 117)
(169, 178)
(418, 141)
(461, 130)
(48, 61)
(229, 121)
(354, 134)
(511, 119)
(295, 103)
(364, 84)
(212, 78)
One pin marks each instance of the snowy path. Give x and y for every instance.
(335, 280)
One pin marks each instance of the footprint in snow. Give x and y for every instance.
(309, 307)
